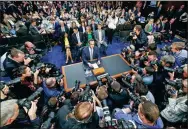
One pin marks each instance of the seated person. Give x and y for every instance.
(66, 43)
(15, 59)
(89, 53)
(149, 31)
(179, 53)
(146, 117)
(10, 114)
(52, 88)
(176, 110)
(88, 35)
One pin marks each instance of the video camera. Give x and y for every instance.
(27, 102)
(114, 123)
(86, 95)
(176, 84)
(178, 72)
(107, 76)
(58, 78)
(137, 100)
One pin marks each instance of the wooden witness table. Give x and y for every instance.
(115, 65)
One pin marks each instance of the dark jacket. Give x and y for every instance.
(95, 27)
(81, 29)
(9, 64)
(75, 40)
(33, 30)
(71, 123)
(86, 54)
(141, 40)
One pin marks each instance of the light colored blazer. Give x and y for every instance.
(96, 35)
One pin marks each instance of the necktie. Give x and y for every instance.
(91, 54)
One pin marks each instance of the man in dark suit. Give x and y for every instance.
(78, 41)
(89, 53)
(33, 28)
(93, 25)
(100, 38)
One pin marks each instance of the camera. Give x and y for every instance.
(77, 86)
(127, 81)
(143, 49)
(109, 122)
(9, 83)
(144, 58)
(86, 95)
(178, 72)
(136, 68)
(27, 102)
(132, 34)
(137, 100)
(47, 124)
(58, 78)
(166, 48)
(107, 76)
(114, 123)
(176, 84)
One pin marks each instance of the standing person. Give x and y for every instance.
(100, 38)
(111, 22)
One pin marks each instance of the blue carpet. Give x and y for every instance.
(58, 58)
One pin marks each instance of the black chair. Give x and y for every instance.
(124, 35)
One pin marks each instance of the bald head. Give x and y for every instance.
(29, 44)
(50, 82)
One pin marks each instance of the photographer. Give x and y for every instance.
(147, 75)
(146, 117)
(139, 38)
(83, 116)
(10, 113)
(15, 59)
(179, 53)
(28, 48)
(176, 110)
(52, 87)
(117, 96)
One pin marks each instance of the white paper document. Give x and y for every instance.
(95, 65)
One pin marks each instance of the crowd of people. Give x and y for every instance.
(152, 95)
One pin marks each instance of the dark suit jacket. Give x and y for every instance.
(95, 25)
(61, 33)
(86, 54)
(75, 40)
(81, 29)
(33, 30)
